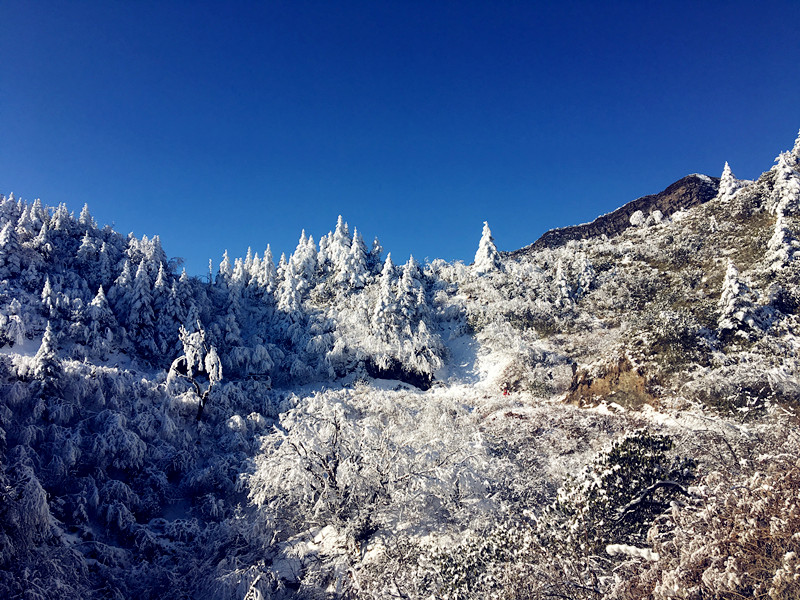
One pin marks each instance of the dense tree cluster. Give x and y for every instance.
(602, 419)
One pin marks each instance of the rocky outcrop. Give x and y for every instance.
(618, 381)
(685, 193)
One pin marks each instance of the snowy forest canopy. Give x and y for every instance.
(336, 425)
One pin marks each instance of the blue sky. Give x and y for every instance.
(233, 124)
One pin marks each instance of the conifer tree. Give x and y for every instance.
(786, 191)
(735, 304)
(141, 318)
(10, 249)
(225, 270)
(386, 297)
(782, 245)
(85, 219)
(46, 363)
(728, 184)
(101, 325)
(487, 258)
(120, 293)
(49, 299)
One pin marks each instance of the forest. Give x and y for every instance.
(611, 417)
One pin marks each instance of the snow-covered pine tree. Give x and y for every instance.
(42, 243)
(141, 320)
(85, 220)
(356, 263)
(25, 226)
(382, 315)
(119, 296)
(782, 245)
(786, 191)
(268, 276)
(561, 287)
(46, 363)
(87, 251)
(374, 261)
(10, 259)
(14, 329)
(487, 258)
(101, 325)
(586, 274)
(735, 304)
(49, 299)
(728, 184)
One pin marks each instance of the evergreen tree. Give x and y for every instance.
(374, 261)
(728, 184)
(225, 270)
(10, 251)
(563, 290)
(25, 226)
(85, 219)
(104, 266)
(42, 242)
(786, 191)
(735, 304)
(782, 245)
(381, 315)
(487, 258)
(121, 292)
(49, 299)
(141, 319)
(46, 363)
(101, 325)
(355, 269)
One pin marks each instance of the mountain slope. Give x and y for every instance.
(539, 425)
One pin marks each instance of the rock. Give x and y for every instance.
(618, 381)
(685, 193)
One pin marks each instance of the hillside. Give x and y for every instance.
(608, 413)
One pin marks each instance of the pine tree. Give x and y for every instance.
(141, 319)
(374, 261)
(735, 304)
(85, 219)
(386, 298)
(101, 325)
(356, 262)
(49, 299)
(563, 290)
(87, 251)
(120, 293)
(487, 258)
(225, 270)
(10, 251)
(786, 191)
(46, 363)
(728, 184)
(782, 245)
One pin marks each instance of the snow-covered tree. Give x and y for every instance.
(735, 304)
(786, 191)
(782, 245)
(46, 363)
(487, 258)
(141, 319)
(728, 184)
(10, 260)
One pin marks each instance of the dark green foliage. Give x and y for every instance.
(614, 499)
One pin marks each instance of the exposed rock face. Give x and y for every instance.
(618, 381)
(685, 193)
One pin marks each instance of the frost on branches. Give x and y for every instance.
(487, 258)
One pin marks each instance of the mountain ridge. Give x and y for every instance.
(685, 193)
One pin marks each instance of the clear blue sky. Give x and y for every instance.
(234, 124)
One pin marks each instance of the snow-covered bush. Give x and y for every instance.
(739, 539)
